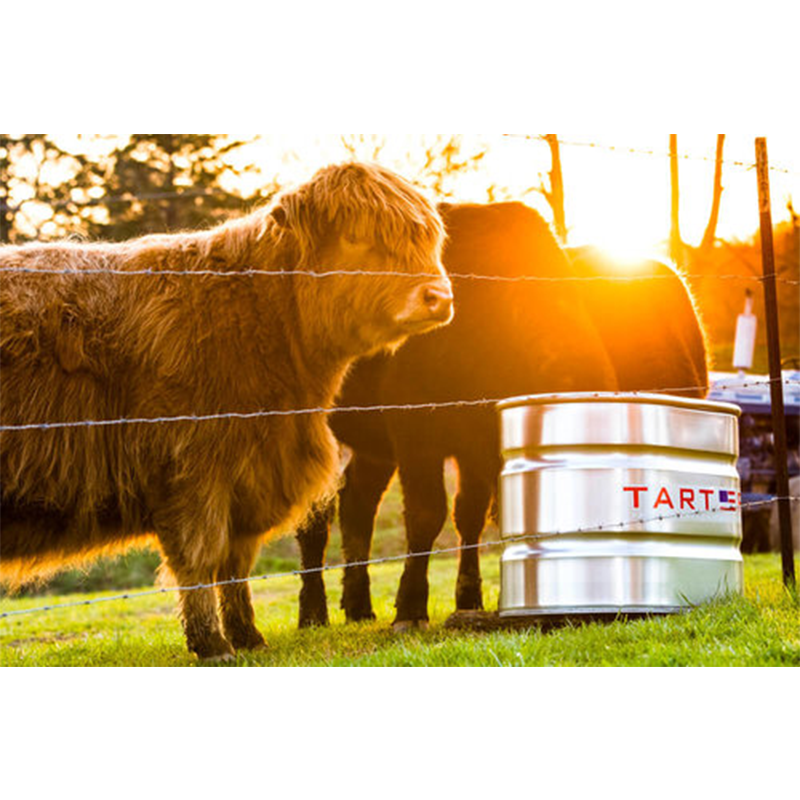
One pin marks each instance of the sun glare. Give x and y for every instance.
(627, 259)
(627, 235)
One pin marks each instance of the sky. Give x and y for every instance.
(615, 199)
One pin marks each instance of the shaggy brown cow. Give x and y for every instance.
(508, 339)
(84, 345)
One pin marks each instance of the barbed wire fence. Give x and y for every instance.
(299, 573)
(420, 407)
(358, 273)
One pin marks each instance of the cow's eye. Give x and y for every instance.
(353, 244)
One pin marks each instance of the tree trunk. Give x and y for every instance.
(5, 210)
(675, 240)
(710, 235)
(170, 208)
(555, 196)
(5, 218)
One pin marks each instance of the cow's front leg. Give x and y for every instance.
(194, 540)
(235, 598)
(197, 607)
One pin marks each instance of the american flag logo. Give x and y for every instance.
(729, 501)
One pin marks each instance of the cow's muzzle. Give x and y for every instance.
(437, 299)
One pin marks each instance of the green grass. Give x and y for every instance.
(761, 629)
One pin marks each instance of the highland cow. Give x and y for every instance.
(85, 344)
(509, 338)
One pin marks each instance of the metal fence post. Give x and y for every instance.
(776, 377)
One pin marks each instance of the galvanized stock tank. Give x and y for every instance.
(618, 504)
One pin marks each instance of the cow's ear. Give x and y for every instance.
(292, 214)
(289, 210)
(280, 216)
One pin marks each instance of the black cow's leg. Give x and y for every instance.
(471, 508)
(365, 484)
(312, 539)
(425, 500)
(235, 600)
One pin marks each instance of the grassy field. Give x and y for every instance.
(761, 629)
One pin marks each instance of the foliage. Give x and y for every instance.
(43, 187)
(721, 301)
(117, 187)
(161, 182)
(435, 163)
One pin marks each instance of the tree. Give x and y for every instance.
(710, 235)
(5, 199)
(435, 163)
(160, 182)
(676, 248)
(43, 187)
(363, 146)
(555, 194)
(445, 161)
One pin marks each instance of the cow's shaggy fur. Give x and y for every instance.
(87, 346)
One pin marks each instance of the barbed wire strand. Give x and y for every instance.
(640, 151)
(433, 406)
(503, 542)
(258, 273)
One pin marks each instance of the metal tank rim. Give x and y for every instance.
(621, 398)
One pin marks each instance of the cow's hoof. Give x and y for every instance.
(469, 597)
(315, 618)
(215, 648)
(306, 624)
(255, 642)
(407, 625)
(224, 658)
(313, 604)
(360, 616)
